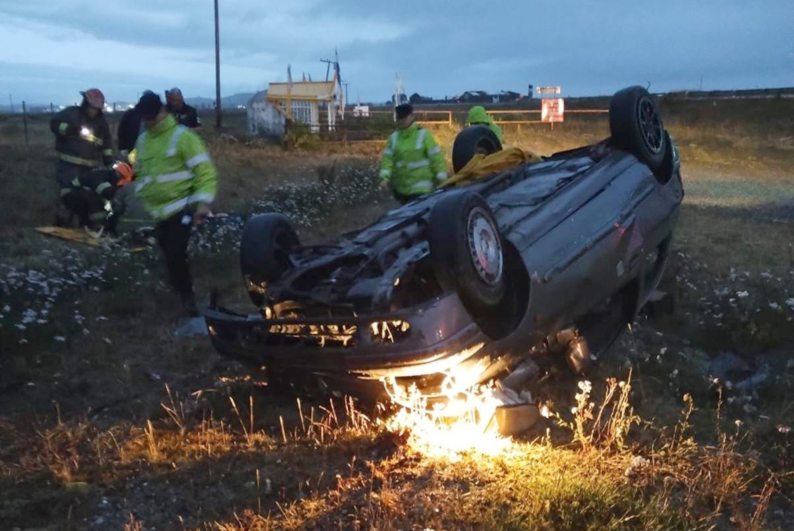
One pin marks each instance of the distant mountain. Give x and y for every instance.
(228, 102)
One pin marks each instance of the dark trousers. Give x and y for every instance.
(172, 236)
(86, 204)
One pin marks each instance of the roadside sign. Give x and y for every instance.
(546, 92)
(552, 110)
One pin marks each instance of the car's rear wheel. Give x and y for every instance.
(471, 141)
(264, 252)
(466, 250)
(636, 126)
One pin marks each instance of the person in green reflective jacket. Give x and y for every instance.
(176, 183)
(478, 116)
(412, 163)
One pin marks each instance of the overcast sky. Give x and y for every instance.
(52, 49)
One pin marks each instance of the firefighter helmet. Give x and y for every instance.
(94, 98)
(125, 173)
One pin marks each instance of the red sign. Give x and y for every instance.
(552, 109)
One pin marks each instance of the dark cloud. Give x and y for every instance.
(439, 48)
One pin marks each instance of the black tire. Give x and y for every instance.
(473, 140)
(466, 250)
(264, 252)
(636, 126)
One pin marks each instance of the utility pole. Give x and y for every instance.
(217, 70)
(328, 63)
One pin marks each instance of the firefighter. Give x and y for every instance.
(412, 163)
(98, 197)
(177, 182)
(184, 113)
(478, 116)
(82, 144)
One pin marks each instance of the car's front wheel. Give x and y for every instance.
(264, 252)
(466, 250)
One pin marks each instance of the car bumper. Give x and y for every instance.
(415, 345)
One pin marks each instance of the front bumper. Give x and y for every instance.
(410, 345)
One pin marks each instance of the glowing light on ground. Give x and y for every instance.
(458, 421)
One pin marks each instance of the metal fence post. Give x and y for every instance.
(25, 120)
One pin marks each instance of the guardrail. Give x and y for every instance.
(448, 116)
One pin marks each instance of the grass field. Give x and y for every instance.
(108, 421)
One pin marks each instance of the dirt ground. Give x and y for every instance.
(110, 421)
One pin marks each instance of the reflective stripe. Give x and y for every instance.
(77, 160)
(393, 141)
(63, 127)
(202, 197)
(198, 159)
(418, 164)
(94, 140)
(173, 207)
(66, 191)
(172, 177)
(178, 131)
(142, 183)
(442, 175)
(422, 186)
(108, 152)
(97, 216)
(420, 139)
(434, 151)
(102, 187)
(179, 204)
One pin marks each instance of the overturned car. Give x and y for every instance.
(544, 259)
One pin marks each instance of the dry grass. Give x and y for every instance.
(331, 467)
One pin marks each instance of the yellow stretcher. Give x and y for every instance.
(79, 236)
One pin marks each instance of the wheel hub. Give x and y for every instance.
(650, 125)
(485, 247)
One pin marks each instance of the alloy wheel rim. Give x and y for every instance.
(650, 125)
(484, 247)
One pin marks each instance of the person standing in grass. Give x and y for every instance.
(176, 184)
(412, 163)
(185, 114)
(478, 116)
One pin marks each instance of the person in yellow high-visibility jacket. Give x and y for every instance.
(176, 183)
(479, 116)
(412, 163)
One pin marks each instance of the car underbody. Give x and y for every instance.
(541, 259)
